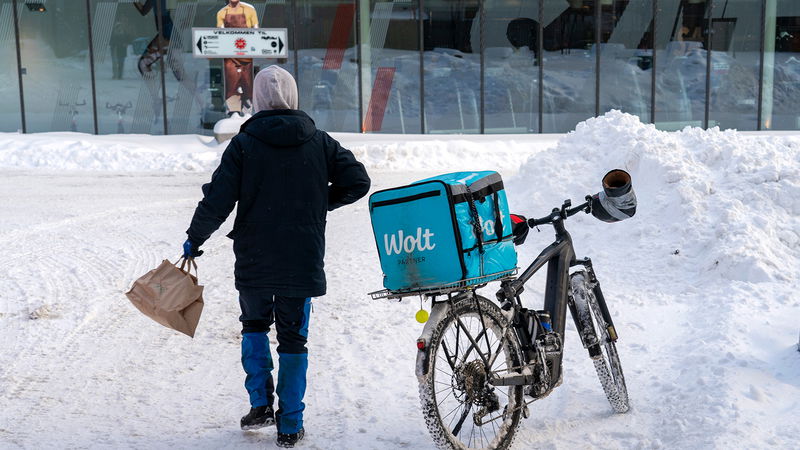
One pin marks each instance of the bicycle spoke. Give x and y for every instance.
(474, 345)
(496, 353)
(451, 412)
(463, 418)
(458, 339)
(445, 398)
(448, 388)
(483, 436)
(448, 374)
(450, 359)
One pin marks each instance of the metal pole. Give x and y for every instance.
(598, 18)
(709, 32)
(295, 47)
(421, 67)
(482, 17)
(19, 68)
(540, 57)
(771, 16)
(359, 66)
(160, 43)
(653, 65)
(91, 64)
(763, 37)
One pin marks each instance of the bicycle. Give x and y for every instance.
(480, 364)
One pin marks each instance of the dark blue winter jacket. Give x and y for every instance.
(286, 175)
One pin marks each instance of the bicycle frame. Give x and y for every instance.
(559, 258)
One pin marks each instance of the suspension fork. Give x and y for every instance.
(601, 300)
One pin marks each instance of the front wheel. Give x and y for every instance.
(595, 336)
(472, 343)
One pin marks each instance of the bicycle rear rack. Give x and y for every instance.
(432, 291)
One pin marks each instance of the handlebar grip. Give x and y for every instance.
(542, 221)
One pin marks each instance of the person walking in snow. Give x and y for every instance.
(285, 175)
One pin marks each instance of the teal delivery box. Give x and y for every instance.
(449, 229)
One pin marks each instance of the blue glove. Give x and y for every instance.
(190, 250)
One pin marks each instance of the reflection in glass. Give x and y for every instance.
(278, 14)
(452, 63)
(195, 87)
(569, 63)
(511, 71)
(55, 62)
(328, 60)
(626, 57)
(390, 73)
(127, 70)
(735, 60)
(10, 118)
(781, 89)
(680, 63)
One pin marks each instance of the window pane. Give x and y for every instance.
(780, 109)
(10, 119)
(735, 60)
(511, 76)
(196, 88)
(569, 64)
(326, 36)
(127, 78)
(57, 85)
(680, 63)
(626, 57)
(452, 66)
(390, 66)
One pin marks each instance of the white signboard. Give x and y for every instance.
(240, 43)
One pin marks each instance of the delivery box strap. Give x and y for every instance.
(479, 194)
(498, 217)
(410, 198)
(477, 230)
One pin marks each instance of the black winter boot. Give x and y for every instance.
(288, 440)
(258, 417)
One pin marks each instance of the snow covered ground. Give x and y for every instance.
(701, 282)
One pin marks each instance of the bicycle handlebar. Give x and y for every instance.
(563, 212)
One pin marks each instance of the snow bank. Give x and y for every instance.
(724, 202)
(127, 153)
(145, 153)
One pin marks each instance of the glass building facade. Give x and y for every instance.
(410, 66)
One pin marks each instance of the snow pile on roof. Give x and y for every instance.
(727, 203)
(145, 153)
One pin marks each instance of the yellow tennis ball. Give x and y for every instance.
(422, 316)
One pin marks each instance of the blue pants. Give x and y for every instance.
(290, 315)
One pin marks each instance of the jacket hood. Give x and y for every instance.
(280, 127)
(274, 88)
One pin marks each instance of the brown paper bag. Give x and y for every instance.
(170, 295)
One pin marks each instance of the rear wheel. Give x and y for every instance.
(595, 336)
(462, 410)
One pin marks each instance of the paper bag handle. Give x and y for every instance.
(188, 263)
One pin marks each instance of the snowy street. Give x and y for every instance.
(702, 285)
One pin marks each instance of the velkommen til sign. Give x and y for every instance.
(240, 42)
